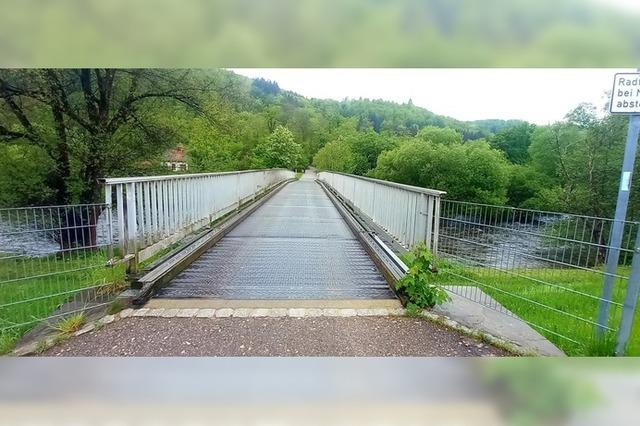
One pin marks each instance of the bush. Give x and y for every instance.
(418, 284)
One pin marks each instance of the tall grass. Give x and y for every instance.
(554, 298)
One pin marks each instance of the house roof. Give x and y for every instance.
(176, 155)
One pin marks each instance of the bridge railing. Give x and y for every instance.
(153, 212)
(408, 213)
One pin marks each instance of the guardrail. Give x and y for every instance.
(153, 212)
(408, 213)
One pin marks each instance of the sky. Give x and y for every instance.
(540, 96)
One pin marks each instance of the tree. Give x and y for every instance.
(23, 180)
(100, 114)
(278, 150)
(471, 172)
(440, 135)
(514, 142)
(335, 156)
(582, 158)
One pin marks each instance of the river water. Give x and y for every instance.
(34, 240)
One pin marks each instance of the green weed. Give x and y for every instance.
(71, 324)
(418, 284)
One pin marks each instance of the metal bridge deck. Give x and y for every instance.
(295, 246)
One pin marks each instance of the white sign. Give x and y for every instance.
(625, 98)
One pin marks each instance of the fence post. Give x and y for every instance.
(436, 224)
(630, 300)
(617, 228)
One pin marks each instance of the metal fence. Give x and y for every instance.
(155, 211)
(545, 268)
(54, 263)
(408, 213)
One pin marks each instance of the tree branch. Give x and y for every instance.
(9, 135)
(59, 91)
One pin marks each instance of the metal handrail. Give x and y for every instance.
(133, 179)
(408, 213)
(412, 188)
(155, 211)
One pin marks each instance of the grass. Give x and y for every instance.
(71, 324)
(31, 289)
(554, 319)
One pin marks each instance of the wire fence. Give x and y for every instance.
(545, 268)
(54, 263)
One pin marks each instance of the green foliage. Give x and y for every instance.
(335, 156)
(278, 150)
(7, 342)
(581, 159)
(525, 184)
(604, 345)
(445, 135)
(418, 284)
(514, 142)
(24, 171)
(412, 310)
(471, 172)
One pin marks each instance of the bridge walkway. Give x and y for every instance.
(295, 246)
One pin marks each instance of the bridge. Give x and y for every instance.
(273, 239)
(274, 236)
(317, 244)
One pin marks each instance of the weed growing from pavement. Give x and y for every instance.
(71, 324)
(412, 310)
(419, 284)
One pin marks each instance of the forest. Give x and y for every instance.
(61, 130)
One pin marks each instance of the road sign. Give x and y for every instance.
(625, 98)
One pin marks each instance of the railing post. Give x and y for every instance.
(108, 202)
(421, 221)
(132, 228)
(121, 222)
(630, 300)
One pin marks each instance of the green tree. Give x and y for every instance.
(335, 156)
(23, 180)
(434, 134)
(582, 157)
(469, 172)
(514, 142)
(90, 121)
(278, 150)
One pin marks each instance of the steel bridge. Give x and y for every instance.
(267, 235)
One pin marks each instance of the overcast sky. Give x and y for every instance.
(539, 96)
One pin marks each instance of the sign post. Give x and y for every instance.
(625, 99)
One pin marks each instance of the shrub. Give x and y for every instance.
(418, 284)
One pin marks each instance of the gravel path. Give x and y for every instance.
(320, 336)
